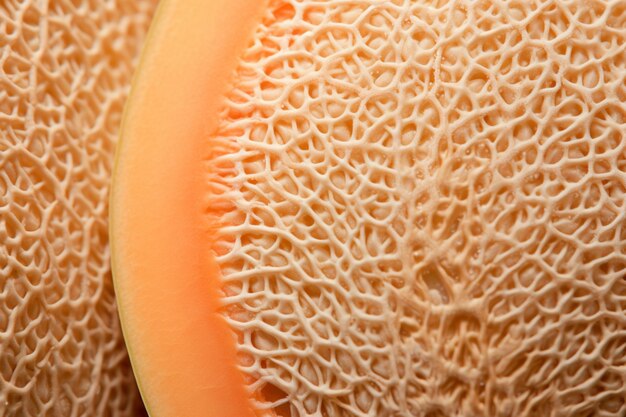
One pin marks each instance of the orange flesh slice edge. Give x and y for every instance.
(181, 349)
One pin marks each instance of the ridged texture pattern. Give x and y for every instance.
(65, 70)
(428, 208)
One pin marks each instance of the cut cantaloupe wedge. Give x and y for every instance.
(165, 275)
(376, 208)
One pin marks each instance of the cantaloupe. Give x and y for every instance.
(65, 70)
(376, 208)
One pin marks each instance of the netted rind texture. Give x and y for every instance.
(65, 70)
(428, 208)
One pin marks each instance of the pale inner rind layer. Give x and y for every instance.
(65, 70)
(428, 208)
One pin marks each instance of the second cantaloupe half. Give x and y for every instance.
(376, 208)
(65, 72)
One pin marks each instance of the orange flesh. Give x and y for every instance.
(166, 282)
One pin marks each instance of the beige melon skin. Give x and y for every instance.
(429, 208)
(65, 70)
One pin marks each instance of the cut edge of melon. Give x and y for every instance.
(166, 278)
